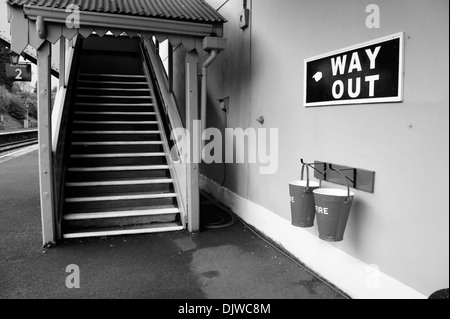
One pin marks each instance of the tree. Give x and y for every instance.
(4, 59)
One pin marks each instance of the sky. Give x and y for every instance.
(4, 26)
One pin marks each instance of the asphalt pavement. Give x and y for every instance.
(231, 263)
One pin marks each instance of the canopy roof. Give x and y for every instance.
(180, 10)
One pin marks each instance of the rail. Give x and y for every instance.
(62, 121)
(12, 140)
(171, 120)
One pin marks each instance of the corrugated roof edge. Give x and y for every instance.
(197, 11)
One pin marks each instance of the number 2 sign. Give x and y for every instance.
(18, 72)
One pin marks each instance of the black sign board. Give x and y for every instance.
(18, 72)
(371, 72)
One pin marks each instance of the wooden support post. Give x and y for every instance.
(62, 62)
(45, 143)
(192, 115)
(170, 75)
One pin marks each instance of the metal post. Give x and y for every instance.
(28, 115)
(192, 114)
(45, 143)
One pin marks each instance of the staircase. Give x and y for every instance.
(118, 180)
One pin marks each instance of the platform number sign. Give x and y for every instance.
(371, 72)
(18, 72)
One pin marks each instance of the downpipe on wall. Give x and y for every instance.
(213, 45)
(204, 95)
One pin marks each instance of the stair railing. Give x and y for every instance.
(62, 119)
(178, 148)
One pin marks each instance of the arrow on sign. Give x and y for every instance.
(318, 76)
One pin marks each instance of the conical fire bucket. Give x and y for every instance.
(332, 206)
(302, 200)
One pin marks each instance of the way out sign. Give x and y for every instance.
(18, 72)
(371, 72)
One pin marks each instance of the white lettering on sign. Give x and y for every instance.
(372, 56)
(337, 84)
(355, 63)
(338, 88)
(370, 72)
(338, 65)
(292, 199)
(371, 79)
(321, 210)
(19, 74)
(356, 93)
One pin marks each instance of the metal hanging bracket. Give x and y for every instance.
(357, 178)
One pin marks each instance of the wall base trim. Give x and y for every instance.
(357, 279)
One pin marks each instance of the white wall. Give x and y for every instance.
(404, 226)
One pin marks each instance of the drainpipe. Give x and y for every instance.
(213, 45)
(212, 56)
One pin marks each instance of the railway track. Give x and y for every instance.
(14, 140)
(6, 148)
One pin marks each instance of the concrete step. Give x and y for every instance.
(118, 187)
(125, 201)
(118, 168)
(119, 106)
(113, 83)
(103, 115)
(115, 126)
(117, 155)
(122, 214)
(90, 199)
(105, 122)
(116, 136)
(119, 91)
(116, 76)
(118, 173)
(106, 89)
(112, 99)
(116, 147)
(118, 231)
(118, 181)
(101, 160)
(115, 107)
(121, 218)
(121, 182)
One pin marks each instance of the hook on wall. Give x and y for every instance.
(312, 165)
(358, 178)
(350, 179)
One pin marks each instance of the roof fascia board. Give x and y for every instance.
(125, 22)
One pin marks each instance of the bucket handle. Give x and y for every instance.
(307, 176)
(347, 199)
